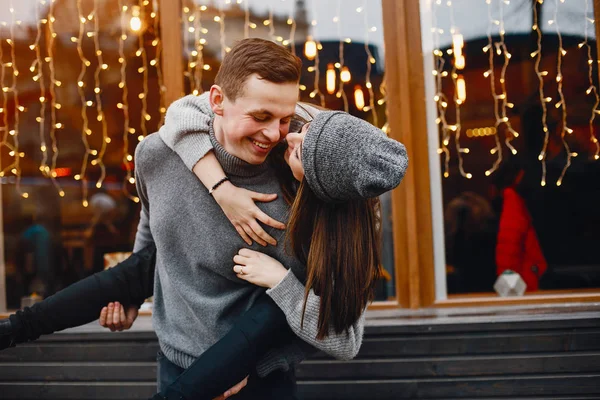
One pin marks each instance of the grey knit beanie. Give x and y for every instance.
(347, 158)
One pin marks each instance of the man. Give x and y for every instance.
(197, 296)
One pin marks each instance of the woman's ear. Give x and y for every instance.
(216, 98)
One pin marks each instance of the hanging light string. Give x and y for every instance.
(562, 102)
(370, 62)
(221, 20)
(269, 23)
(537, 54)
(440, 98)
(592, 89)
(340, 93)
(457, 127)
(491, 76)
(85, 129)
(124, 105)
(316, 91)
(38, 65)
(18, 109)
(247, 20)
(157, 43)
(54, 105)
(3, 109)
(100, 117)
(143, 70)
(291, 41)
(199, 49)
(501, 49)
(187, 29)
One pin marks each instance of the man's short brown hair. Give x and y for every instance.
(268, 60)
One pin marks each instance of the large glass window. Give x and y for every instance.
(514, 89)
(80, 87)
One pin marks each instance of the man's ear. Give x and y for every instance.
(217, 98)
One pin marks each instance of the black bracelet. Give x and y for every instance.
(216, 185)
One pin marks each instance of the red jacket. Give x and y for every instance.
(518, 247)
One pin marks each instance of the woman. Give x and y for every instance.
(327, 209)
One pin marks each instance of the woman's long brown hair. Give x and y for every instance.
(340, 244)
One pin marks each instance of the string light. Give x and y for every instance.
(37, 69)
(191, 65)
(316, 91)
(370, 61)
(502, 49)
(310, 49)
(359, 97)
(100, 117)
(292, 38)
(143, 71)
(157, 43)
(247, 20)
(341, 92)
(14, 167)
(270, 23)
(592, 89)
(199, 48)
(221, 20)
(85, 130)
(124, 105)
(457, 127)
(54, 105)
(543, 99)
(440, 98)
(562, 103)
(491, 76)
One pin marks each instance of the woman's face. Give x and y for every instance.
(293, 154)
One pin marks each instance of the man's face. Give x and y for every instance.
(256, 121)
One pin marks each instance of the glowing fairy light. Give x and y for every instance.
(368, 83)
(291, 21)
(191, 65)
(221, 20)
(54, 105)
(37, 68)
(199, 52)
(310, 49)
(440, 99)
(143, 71)
(100, 116)
(592, 88)
(543, 99)
(457, 127)
(317, 91)
(502, 49)
(562, 102)
(85, 129)
(157, 44)
(359, 97)
(124, 104)
(492, 78)
(344, 71)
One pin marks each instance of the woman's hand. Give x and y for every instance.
(238, 205)
(234, 390)
(258, 268)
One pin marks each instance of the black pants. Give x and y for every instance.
(278, 385)
(219, 368)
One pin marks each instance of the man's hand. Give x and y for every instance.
(238, 205)
(116, 318)
(234, 390)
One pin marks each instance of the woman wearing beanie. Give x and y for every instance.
(341, 164)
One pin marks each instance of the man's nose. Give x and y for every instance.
(272, 132)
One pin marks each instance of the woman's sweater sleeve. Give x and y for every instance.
(186, 128)
(289, 296)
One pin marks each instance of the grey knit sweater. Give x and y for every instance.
(197, 297)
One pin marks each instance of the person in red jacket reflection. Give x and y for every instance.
(517, 246)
